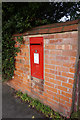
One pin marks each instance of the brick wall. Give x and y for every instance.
(60, 66)
(61, 53)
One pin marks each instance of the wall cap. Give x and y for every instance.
(52, 28)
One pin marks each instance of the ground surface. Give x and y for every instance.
(12, 107)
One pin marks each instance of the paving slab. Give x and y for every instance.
(12, 107)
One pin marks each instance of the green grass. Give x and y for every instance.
(44, 109)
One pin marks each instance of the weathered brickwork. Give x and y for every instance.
(61, 53)
(60, 61)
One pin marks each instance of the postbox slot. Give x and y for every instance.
(35, 44)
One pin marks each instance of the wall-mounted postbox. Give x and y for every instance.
(36, 57)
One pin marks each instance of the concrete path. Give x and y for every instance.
(13, 108)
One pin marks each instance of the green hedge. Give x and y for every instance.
(20, 17)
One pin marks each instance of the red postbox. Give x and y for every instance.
(36, 57)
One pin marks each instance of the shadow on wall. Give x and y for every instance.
(76, 91)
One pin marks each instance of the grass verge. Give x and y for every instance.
(44, 109)
(36, 104)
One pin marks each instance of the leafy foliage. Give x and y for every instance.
(76, 115)
(19, 17)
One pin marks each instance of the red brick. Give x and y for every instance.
(43, 31)
(58, 62)
(49, 37)
(47, 66)
(26, 65)
(70, 28)
(56, 99)
(21, 71)
(62, 58)
(48, 95)
(52, 66)
(50, 100)
(53, 52)
(25, 50)
(64, 98)
(52, 71)
(42, 97)
(55, 72)
(67, 47)
(58, 52)
(67, 74)
(65, 69)
(62, 101)
(71, 81)
(67, 64)
(51, 92)
(61, 78)
(58, 35)
(67, 85)
(51, 47)
(58, 91)
(70, 75)
(47, 52)
(74, 47)
(53, 62)
(47, 56)
(53, 103)
(53, 30)
(58, 68)
(52, 57)
(55, 41)
(18, 65)
(19, 57)
(73, 59)
(55, 81)
(47, 70)
(52, 89)
(66, 94)
(47, 61)
(59, 47)
(69, 53)
(72, 70)
(68, 104)
(62, 107)
(49, 84)
(66, 35)
(46, 78)
(62, 88)
(74, 34)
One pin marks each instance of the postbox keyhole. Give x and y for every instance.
(36, 51)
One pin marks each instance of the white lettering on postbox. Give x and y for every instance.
(36, 58)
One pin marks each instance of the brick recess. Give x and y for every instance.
(61, 54)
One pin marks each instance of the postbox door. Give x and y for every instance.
(36, 59)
